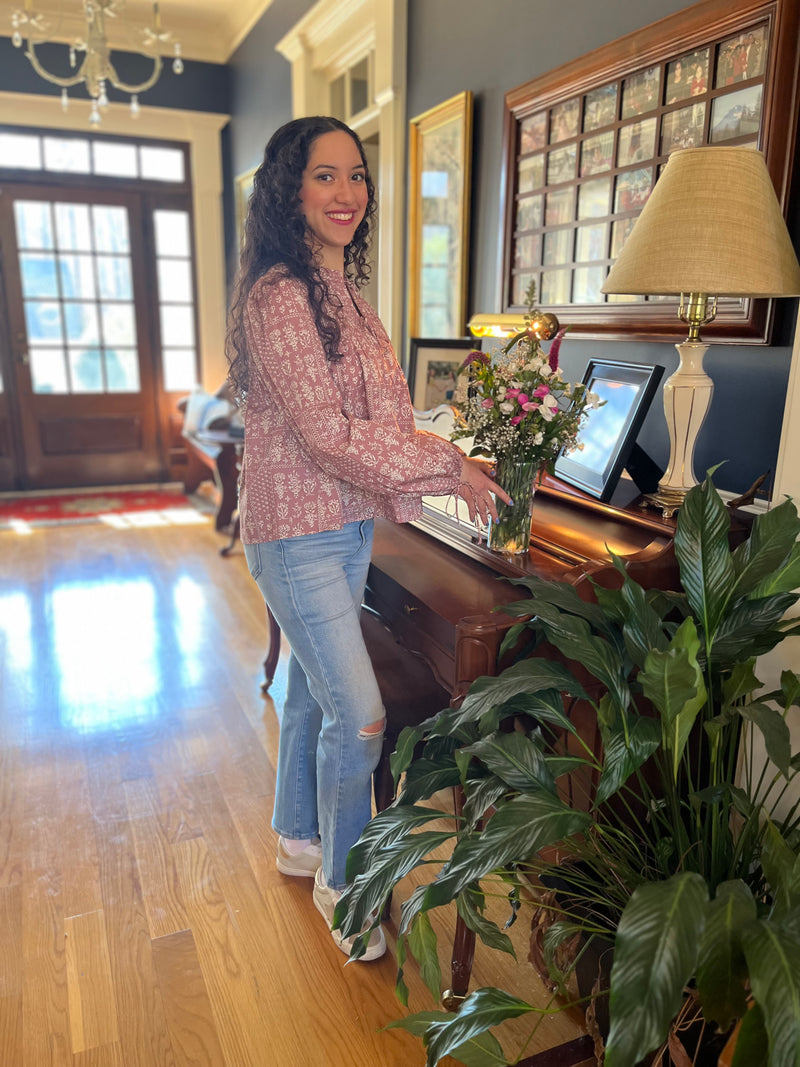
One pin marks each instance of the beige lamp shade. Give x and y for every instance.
(712, 225)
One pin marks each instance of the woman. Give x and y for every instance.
(330, 444)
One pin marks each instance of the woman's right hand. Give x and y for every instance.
(478, 491)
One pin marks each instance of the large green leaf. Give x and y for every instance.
(484, 1050)
(674, 683)
(655, 953)
(516, 832)
(489, 933)
(772, 539)
(642, 629)
(386, 828)
(483, 1009)
(626, 746)
(751, 627)
(527, 676)
(782, 871)
(516, 759)
(772, 951)
(751, 1041)
(481, 793)
(425, 777)
(774, 730)
(574, 639)
(546, 706)
(721, 970)
(741, 681)
(367, 893)
(701, 547)
(563, 596)
(422, 942)
(784, 579)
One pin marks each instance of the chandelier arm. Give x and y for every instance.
(125, 88)
(54, 79)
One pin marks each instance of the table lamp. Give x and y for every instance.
(712, 227)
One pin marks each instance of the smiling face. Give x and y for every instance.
(333, 195)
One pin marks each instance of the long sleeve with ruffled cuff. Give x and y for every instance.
(329, 442)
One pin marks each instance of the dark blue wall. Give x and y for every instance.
(201, 86)
(502, 45)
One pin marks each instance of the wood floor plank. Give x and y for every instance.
(186, 1004)
(11, 1044)
(11, 818)
(90, 989)
(45, 1009)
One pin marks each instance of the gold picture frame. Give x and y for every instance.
(440, 150)
(244, 189)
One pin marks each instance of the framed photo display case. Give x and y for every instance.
(585, 144)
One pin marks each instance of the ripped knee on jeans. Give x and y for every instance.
(375, 729)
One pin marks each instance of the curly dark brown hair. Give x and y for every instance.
(276, 232)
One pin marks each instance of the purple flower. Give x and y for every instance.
(552, 358)
(476, 356)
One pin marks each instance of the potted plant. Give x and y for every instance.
(684, 853)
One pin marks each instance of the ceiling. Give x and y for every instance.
(209, 30)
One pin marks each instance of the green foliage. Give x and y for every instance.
(677, 851)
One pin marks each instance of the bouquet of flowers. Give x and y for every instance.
(522, 413)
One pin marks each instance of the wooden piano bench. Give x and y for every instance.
(409, 691)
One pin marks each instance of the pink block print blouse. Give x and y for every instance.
(329, 442)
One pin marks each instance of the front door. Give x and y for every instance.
(77, 300)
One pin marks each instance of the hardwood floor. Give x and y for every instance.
(142, 921)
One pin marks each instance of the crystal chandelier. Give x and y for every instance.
(96, 68)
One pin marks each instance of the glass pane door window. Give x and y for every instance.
(77, 290)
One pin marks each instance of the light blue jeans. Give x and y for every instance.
(314, 585)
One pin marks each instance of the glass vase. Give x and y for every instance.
(512, 531)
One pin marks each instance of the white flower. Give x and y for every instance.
(538, 438)
(593, 400)
(506, 407)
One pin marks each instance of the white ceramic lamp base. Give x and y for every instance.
(687, 398)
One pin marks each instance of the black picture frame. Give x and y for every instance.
(609, 432)
(426, 356)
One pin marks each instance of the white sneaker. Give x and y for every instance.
(302, 864)
(325, 900)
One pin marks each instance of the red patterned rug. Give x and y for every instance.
(36, 509)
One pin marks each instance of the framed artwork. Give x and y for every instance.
(440, 147)
(608, 436)
(585, 144)
(433, 366)
(244, 188)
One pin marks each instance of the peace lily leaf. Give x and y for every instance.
(481, 794)
(600, 658)
(419, 1022)
(655, 953)
(481, 1051)
(387, 827)
(642, 628)
(411, 908)
(749, 627)
(367, 893)
(751, 1041)
(774, 731)
(612, 603)
(624, 756)
(516, 832)
(566, 598)
(546, 706)
(515, 759)
(400, 987)
(422, 942)
(426, 777)
(701, 547)
(483, 1009)
(489, 933)
(400, 759)
(782, 870)
(771, 539)
(527, 676)
(721, 970)
(772, 951)
(674, 683)
(790, 687)
(741, 681)
(785, 579)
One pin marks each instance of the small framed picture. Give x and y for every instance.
(633, 189)
(597, 154)
(687, 76)
(636, 143)
(533, 133)
(433, 366)
(682, 129)
(736, 114)
(600, 107)
(741, 57)
(561, 165)
(564, 121)
(640, 92)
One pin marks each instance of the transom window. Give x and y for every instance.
(88, 155)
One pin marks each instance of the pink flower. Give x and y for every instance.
(522, 398)
(511, 393)
(487, 403)
(552, 358)
(530, 406)
(517, 419)
(541, 390)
